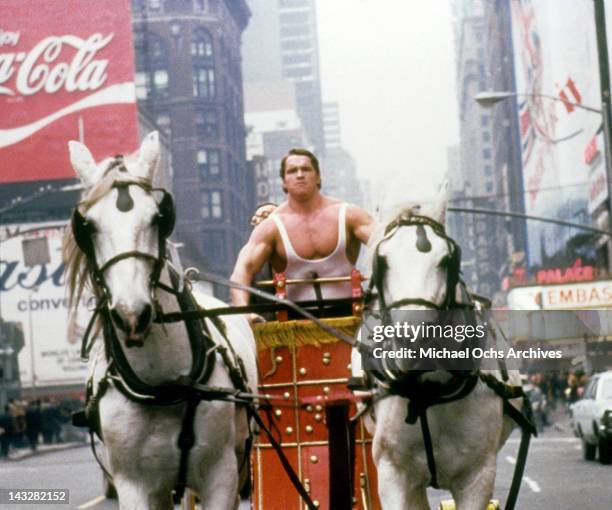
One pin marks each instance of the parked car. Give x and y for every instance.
(592, 418)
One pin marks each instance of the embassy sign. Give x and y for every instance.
(66, 73)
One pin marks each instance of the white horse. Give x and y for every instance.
(126, 226)
(466, 434)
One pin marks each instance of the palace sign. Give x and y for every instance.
(66, 73)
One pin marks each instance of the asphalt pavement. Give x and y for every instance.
(556, 476)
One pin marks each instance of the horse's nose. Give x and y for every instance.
(130, 322)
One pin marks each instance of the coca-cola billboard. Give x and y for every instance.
(66, 73)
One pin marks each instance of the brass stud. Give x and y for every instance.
(358, 308)
(280, 284)
(308, 429)
(314, 459)
(289, 430)
(318, 408)
(326, 390)
(278, 413)
(326, 361)
(309, 408)
(319, 397)
(287, 395)
(278, 359)
(303, 371)
(316, 503)
(318, 417)
(348, 367)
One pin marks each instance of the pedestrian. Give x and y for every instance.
(6, 432)
(33, 423)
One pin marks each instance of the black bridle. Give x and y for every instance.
(452, 263)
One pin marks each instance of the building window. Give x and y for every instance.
(143, 85)
(163, 121)
(486, 153)
(155, 5)
(160, 82)
(294, 17)
(489, 187)
(211, 205)
(204, 82)
(208, 162)
(200, 5)
(207, 125)
(293, 3)
(486, 136)
(294, 30)
(484, 120)
(488, 170)
(201, 44)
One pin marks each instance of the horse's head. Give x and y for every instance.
(121, 229)
(415, 264)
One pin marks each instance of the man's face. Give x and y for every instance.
(301, 179)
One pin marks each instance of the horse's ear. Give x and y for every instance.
(84, 164)
(148, 156)
(440, 203)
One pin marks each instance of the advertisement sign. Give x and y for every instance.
(596, 294)
(35, 297)
(555, 53)
(66, 73)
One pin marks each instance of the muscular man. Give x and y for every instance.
(309, 235)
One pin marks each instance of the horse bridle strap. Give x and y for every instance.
(453, 270)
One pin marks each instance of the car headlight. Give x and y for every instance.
(606, 420)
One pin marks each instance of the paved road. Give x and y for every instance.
(556, 477)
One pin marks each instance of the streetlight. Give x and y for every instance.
(488, 99)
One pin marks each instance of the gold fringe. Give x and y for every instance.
(297, 333)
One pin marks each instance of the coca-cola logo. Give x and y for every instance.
(41, 69)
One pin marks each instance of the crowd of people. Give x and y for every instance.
(26, 424)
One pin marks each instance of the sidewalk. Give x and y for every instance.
(42, 449)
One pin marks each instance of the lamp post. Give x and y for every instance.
(488, 99)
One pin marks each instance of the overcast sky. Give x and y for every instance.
(390, 65)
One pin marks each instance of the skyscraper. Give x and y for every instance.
(189, 80)
(281, 43)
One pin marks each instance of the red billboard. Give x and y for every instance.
(66, 73)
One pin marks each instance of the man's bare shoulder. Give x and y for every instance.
(264, 232)
(357, 215)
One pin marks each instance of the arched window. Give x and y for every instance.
(201, 44)
(151, 65)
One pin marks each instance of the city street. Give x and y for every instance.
(555, 477)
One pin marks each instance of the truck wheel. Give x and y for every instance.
(605, 451)
(588, 450)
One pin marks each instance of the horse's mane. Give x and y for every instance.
(75, 261)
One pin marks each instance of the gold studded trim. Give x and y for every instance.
(270, 335)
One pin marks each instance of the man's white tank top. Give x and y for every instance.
(335, 264)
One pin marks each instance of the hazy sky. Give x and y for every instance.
(390, 65)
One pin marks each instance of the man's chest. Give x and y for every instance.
(312, 237)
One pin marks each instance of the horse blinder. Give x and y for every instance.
(83, 232)
(166, 217)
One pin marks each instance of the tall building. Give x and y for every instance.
(189, 80)
(484, 171)
(281, 44)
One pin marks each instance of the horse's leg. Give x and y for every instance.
(396, 491)
(475, 491)
(136, 496)
(218, 486)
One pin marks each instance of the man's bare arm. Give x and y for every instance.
(251, 259)
(361, 223)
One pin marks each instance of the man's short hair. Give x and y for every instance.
(296, 151)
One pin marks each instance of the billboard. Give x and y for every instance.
(555, 52)
(35, 298)
(66, 73)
